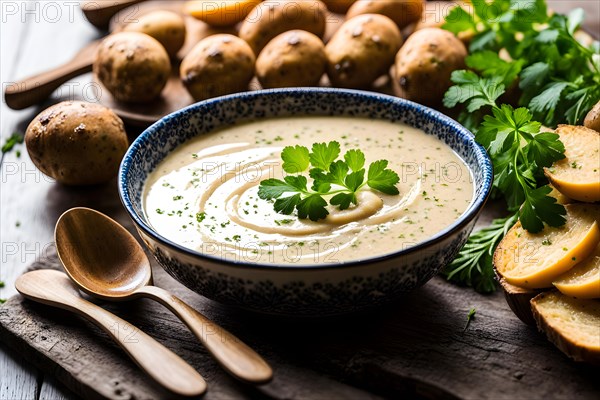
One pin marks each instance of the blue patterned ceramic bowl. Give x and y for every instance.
(322, 289)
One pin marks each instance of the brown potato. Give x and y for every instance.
(165, 26)
(424, 64)
(218, 65)
(592, 119)
(402, 12)
(77, 143)
(338, 6)
(270, 19)
(294, 58)
(362, 50)
(133, 66)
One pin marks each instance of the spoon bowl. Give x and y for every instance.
(104, 260)
(101, 256)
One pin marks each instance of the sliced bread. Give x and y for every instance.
(573, 325)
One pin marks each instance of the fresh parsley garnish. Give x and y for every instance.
(523, 55)
(558, 77)
(470, 316)
(332, 178)
(519, 151)
(11, 142)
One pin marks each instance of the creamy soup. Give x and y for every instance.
(204, 195)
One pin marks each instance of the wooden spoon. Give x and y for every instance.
(54, 288)
(106, 261)
(99, 14)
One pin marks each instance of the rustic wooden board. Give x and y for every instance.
(417, 346)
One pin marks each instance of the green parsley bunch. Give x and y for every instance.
(559, 81)
(558, 77)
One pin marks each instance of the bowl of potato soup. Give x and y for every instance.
(305, 201)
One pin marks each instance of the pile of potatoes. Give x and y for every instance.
(284, 43)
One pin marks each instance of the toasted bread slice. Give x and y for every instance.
(534, 260)
(573, 325)
(583, 281)
(577, 176)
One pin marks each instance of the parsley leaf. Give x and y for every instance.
(337, 172)
(323, 154)
(312, 207)
(459, 20)
(539, 208)
(340, 179)
(286, 205)
(354, 180)
(12, 141)
(355, 159)
(473, 91)
(295, 159)
(470, 316)
(491, 65)
(382, 179)
(544, 148)
(274, 188)
(343, 200)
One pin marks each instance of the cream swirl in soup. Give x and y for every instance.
(204, 195)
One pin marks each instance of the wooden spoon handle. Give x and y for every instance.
(233, 355)
(33, 90)
(55, 289)
(160, 363)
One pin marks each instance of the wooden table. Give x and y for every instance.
(36, 35)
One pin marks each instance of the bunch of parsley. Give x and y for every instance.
(556, 76)
(337, 180)
(558, 80)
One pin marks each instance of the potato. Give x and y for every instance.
(218, 65)
(338, 6)
(362, 50)
(220, 13)
(77, 143)
(402, 12)
(270, 19)
(424, 65)
(133, 66)
(165, 26)
(294, 58)
(592, 119)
